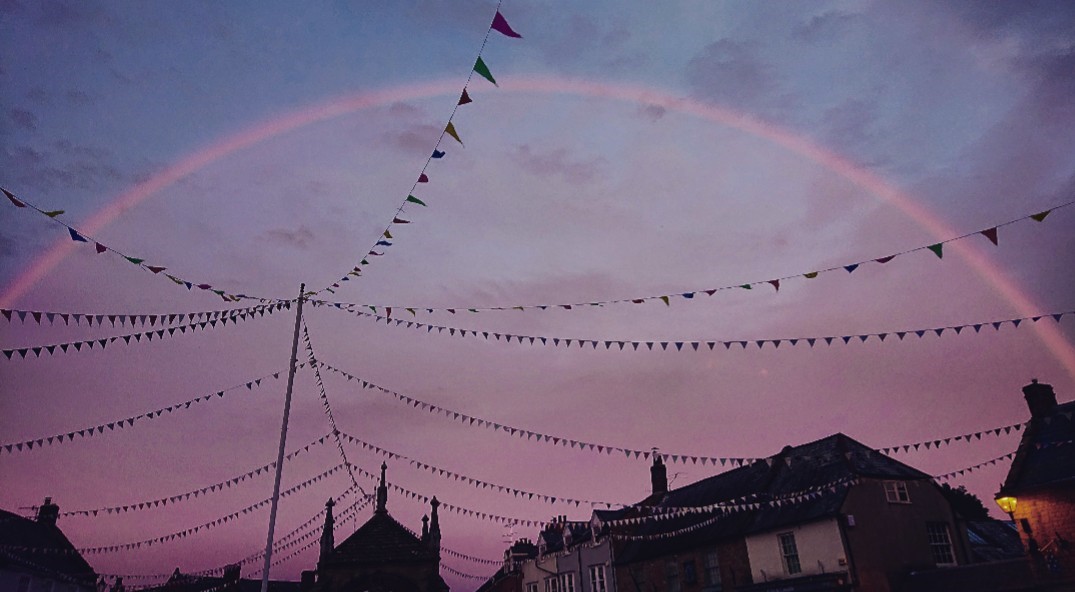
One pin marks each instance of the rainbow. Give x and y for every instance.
(867, 180)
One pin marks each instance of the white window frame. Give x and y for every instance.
(567, 582)
(552, 584)
(531, 587)
(597, 578)
(711, 565)
(940, 543)
(789, 550)
(896, 492)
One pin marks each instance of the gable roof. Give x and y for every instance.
(381, 540)
(61, 562)
(793, 470)
(1044, 455)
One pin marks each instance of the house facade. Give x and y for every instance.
(1039, 491)
(36, 555)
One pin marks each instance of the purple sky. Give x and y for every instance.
(570, 189)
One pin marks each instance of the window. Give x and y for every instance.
(567, 582)
(896, 492)
(690, 573)
(671, 574)
(532, 587)
(552, 584)
(789, 553)
(597, 578)
(712, 571)
(940, 543)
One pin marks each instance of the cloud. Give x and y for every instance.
(557, 162)
(825, 27)
(420, 138)
(730, 72)
(23, 118)
(652, 112)
(63, 165)
(299, 238)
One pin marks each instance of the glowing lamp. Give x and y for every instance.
(1007, 504)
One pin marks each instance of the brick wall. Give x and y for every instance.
(652, 575)
(1048, 515)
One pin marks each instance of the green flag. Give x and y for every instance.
(938, 250)
(134, 260)
(414, 199)
(481, 68)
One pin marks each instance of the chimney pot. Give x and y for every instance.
(48, 512)
(658, 475)
(1040, 398)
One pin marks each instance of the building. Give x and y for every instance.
(572, 556)
(36, 555)
(509, 578)
(1039, 491)
(229, 581)
(381, 556)
(828, 515)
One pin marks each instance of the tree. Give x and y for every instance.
(964, 503)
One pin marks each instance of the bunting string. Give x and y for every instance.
(175, 535)
(633, 345)
(81, 237)
(724, 511)
(532, 436)
(460, 574)
(119, 424)
(477, 483)
(384, 240)
(233, 316)
(993, 461)
(470, 558)
(328, 407)
(775, 283)
(134, 320)
(202, 491)
(451, 507)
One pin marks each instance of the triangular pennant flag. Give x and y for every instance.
(134, 260)
(811, 275)
(500, 25)
(54, 213)
(438, 154)
(991, 234)
(483, 70)
(938, 250)
(450, 130)
(75, 236)
(1040, 216)
(11, 196)
(414, 199)
(885, 259)
(852, 267)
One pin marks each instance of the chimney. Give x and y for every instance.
(434, 526)
(231, 573)
(1040, 398)
(658, 474)
(48, 512)
(309, 579)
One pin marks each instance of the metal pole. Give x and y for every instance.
(283, 440)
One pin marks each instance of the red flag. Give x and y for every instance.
(465, 98)
(500, 25)
(991, 234)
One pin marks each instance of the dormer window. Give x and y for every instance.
(896, 492)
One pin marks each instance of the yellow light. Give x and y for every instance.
(1007, 504)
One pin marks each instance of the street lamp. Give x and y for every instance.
(1007, 504)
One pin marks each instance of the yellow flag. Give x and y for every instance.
(450, 130)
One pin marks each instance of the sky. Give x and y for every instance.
(627, 151)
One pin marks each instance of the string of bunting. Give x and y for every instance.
(607, 449)
(233, 316)
(460, 574)
(723, 511)
(384, 241)
(81, 237)
(745, 503)
(471, 558)
(173, 499)
(993, 461)
(128, 421)
(454, 508)
(277, 545)
(477, 483)
(175, 535)
(328, 407)
(936, 248)
(937, 443)
(528, 435)
(134, 320)
(567, 343)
